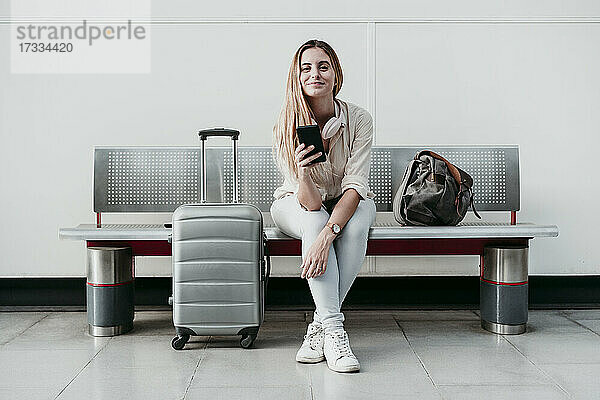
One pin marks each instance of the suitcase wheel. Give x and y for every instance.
(247, 340)
(179, 341)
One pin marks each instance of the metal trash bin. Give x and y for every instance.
(503, 289)
(110, 290)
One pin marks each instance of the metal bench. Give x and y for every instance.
(159, 179)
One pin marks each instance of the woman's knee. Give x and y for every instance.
(284, 213)
(278, 209)
(355, 231)
(359, 224)
(313, 221)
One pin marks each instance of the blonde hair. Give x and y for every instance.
(296, 111)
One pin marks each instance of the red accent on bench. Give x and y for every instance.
(481, 266)
(109, 284)
(505, 283)
(423, 247)
(375, 247)
(138, 247)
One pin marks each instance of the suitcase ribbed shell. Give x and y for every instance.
(217, 252)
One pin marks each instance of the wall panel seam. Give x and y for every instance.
(305, 20)
(371, 75)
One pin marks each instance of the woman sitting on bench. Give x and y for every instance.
(327, 205)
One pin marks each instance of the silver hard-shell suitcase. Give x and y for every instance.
(220, 267)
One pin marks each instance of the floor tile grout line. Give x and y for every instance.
(580, 324)
(571, 363)
(84, 367)
(28, 328)
(189, 385)
(250, 386)
(310, 383)
(538, 368)
(502, 385)
(418, 357)
(566, 314)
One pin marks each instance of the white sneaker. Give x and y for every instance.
(311, 350)
(338, 352)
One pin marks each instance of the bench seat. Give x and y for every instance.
(383, 229)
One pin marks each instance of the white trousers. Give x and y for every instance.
(346, 255)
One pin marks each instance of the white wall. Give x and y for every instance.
(430, 72)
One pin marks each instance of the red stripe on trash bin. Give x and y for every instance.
(108, 284)
(505, 283)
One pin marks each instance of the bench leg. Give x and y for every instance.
(503, 289)
(110, 290)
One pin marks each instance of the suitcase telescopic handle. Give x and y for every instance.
(206, 133)
(219, 132)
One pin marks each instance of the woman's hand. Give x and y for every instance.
(302, 163)
(315, 262)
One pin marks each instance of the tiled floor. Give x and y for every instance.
(403, 355)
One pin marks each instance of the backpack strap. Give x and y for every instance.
(473, 205)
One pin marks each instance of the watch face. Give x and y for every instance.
(336, 228)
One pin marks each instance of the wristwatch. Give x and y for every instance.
(335, 228)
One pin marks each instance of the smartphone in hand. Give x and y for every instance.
(311, 135)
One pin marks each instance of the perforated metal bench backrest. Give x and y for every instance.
(159, 179)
